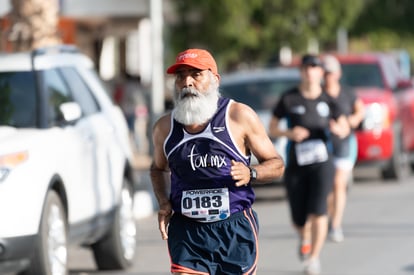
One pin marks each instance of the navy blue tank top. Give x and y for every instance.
(203, 160)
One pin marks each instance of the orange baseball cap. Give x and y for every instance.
(197, 58)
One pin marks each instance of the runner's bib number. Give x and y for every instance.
(206, 205)
(311, 151)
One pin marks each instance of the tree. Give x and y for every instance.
(252, 32)
(395, 15)
(33, 24)
(385, 25)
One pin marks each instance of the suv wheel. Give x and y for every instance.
(117, 249)
(50, 254)
(398, 166)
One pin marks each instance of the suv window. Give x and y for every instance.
(362, 75)
(258, 94)
(18, 99)
(81, 91)
(57, 93)
(391, 72)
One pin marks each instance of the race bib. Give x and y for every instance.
(311, 151)
(206, 205)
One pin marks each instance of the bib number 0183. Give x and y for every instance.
(202, 202)
(206, 205)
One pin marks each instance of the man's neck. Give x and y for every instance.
(195, 128)
(311, 91)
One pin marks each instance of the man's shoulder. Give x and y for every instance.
(166, 115)
(163, 122)
(290, 94)
(237, 105)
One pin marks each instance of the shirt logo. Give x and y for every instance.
(218, 129)
(323, 109)
(300, 110)
(203, 161)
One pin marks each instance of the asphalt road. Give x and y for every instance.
(378, 227)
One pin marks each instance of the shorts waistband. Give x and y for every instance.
(233, 216)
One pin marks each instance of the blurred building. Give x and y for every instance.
(114, 33)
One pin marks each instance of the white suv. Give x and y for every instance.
(65, 165)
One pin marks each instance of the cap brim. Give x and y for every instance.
(173, 68)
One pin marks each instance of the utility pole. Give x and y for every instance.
(342, 40)
(157, 80)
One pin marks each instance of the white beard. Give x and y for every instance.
(197, 108)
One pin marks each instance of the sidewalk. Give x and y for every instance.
(145, 202)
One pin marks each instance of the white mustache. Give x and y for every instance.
(188, 91)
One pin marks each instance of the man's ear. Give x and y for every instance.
(217, 77)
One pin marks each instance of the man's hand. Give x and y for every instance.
(240, 173)
(340, 127)
(298, 134)
(164, 216)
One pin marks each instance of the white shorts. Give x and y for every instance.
(346, 164)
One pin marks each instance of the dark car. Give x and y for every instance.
(261, 89)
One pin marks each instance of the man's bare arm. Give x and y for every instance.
(158, 170)
(253, 137)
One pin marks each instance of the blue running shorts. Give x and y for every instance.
(218, 248)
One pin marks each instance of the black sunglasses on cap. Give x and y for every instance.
(311, 60)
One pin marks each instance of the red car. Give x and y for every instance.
(386, 135)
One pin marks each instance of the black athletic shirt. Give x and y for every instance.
(313, 114)
(346, 99)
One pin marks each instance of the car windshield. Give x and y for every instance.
(362, 75)
(258, 94)
(17, 99)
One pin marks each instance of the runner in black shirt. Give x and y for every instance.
(312, 117)
(344, 149)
